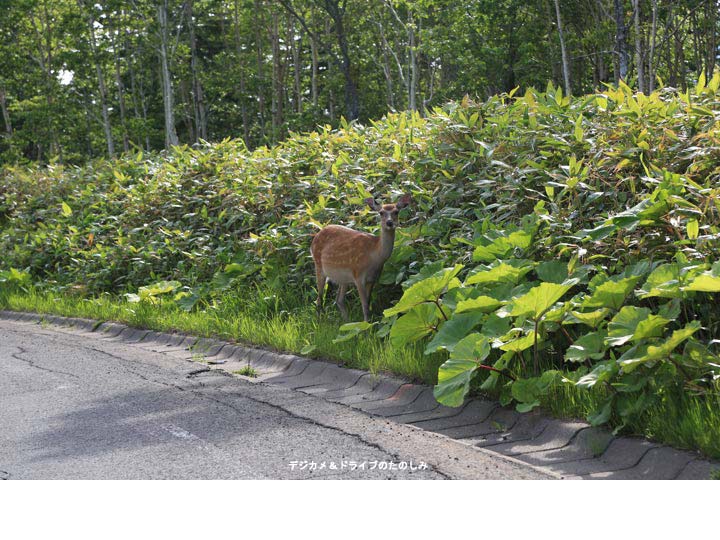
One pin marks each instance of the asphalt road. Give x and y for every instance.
(76, 406)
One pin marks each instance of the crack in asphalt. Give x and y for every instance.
(4, 475)
(34, 365)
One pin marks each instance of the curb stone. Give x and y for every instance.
(561, 448)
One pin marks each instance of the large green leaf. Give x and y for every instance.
(415, 324)
(453, 331)
(505, 272)
(539, 299)
(502, 246)
(529, 391)
(157, 289)
(520, 344)
(602, 372)
(428, 289)
(589, 318)
(552, 271)
(634, 324)
(454, 378)
(705, 282)
(642, 354)
(588, 347)
(483, 304)
(611, 294)
(663, 282)
(474, 346)
(455, 375)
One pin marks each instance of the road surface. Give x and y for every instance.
(76, 406)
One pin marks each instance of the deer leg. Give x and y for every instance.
(364, 296)
(340, 301)
(321, 281)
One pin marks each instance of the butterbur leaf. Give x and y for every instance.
(663, 282)
(590, 346)
(428, 289)
(505, 272)
(705, 282)
(602, 372)
(454, 378)
(501, 247)
(483, 304)
(529, 391)
(552, 271)
(472, 347)
(521, 344)
(159, 288)
(642, 354)
(611, 294)
(414, 325)
(539, 299)
(602, 414)
(590, 318)
(453, 331)
(634, 324)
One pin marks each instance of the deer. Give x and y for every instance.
(345, 256)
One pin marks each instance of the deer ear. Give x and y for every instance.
(404, 201)
(371, 203)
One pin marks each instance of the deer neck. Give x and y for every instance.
(387, 241)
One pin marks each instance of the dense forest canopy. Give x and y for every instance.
(81, 79)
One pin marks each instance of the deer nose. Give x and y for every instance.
(390, 223)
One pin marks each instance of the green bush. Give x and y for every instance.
(577, 237)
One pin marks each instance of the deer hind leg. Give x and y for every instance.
(364, 293)
(321, 282)
(340, 301)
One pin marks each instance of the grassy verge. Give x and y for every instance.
(264, 319)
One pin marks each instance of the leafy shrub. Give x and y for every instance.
(555, 240)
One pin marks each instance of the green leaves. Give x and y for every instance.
(452, 331)
(427, 290)
(504, 272)
(650, 353)
(634, 324)
(539, 299)
(529, 391)
(455, 375)
(588, 347)
(611, 294)
(417, 323)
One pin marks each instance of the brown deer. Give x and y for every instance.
(345, 256)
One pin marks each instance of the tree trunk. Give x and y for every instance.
(277, 86)
(171, 138)
(199, 113)
(336, 10)
(101, 81)
(260, 71)
(651, 55)
(242, 97)
(314, 72)
(5, 112)
(565, 63)
(121, 92)
(639, 56)
(295, 45)
(414, 71)
(621, 49)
